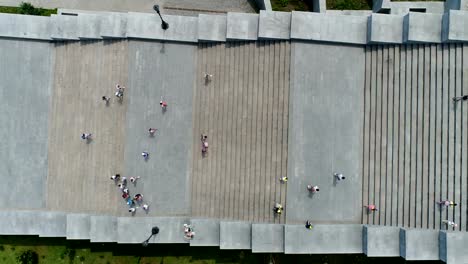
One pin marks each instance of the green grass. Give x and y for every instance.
(349, 4)
(20, 10)
(289, 5)
(62, 251)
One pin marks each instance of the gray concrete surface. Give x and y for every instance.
(329, 28)
(42, 223)
(241, 26)
(148, 26)
(156, 71)
(27, 27)
(385, 28)
(212, 27)
(422, 27)
(235, 235)
(103, 228)
(267, 238)
(207, 232)
(64, 27)
(454, 28)
(381, 241)
(323, 239)
(452, 246)
(26, 71)
(418, 244)
(274, 25)
(138, 229)
(325, 133)
(89, 26)
(78, 226)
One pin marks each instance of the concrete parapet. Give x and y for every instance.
(26, 27)
(78, 226)
(422, 27)
(323, 239)
(206, 232)
(274, 25)
(212, 27)
(89, 26)
(235, 235)
(454, 27)
(64, 27)
(452, 247)
(42, 223)
(267, 238)
(401, 8)
(114, 25)
(385, 28)
(148, 26)
(52, 224)
(329, 28)
(241, 26)
(381, 241)
(103, 228)
(137, 229)
(419, 244)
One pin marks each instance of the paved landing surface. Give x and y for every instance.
(160, 70)
(25, 74)
(79, 172)
(244, 113)
(415, 140)
(179, 7)
(325, 133)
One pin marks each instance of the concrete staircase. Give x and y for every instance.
(415, 136)
(244, 112)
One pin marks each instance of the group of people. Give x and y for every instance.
(133, 202)
(278, 208)
(137, 200)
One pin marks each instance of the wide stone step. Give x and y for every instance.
(78, 226)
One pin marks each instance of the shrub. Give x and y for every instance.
(28, 257)
(284, 3)
(29, 9)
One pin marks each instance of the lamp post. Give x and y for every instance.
(164, 24)
(154, 231)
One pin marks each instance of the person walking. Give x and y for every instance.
(339, 176)
(138, 197)
(283, 179)
(309, 225)
(278, 208)
(163, 104)
(371, 208)
(131, 210)
(145, 207)
(106, 99)
(134, 179)
(145, 155)
(449, 223)
(86, 136)
(204, 142)
(115, 177)
(447, 203)
(151, 131)
(313, 189)
(460, 98)
(119, 91)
